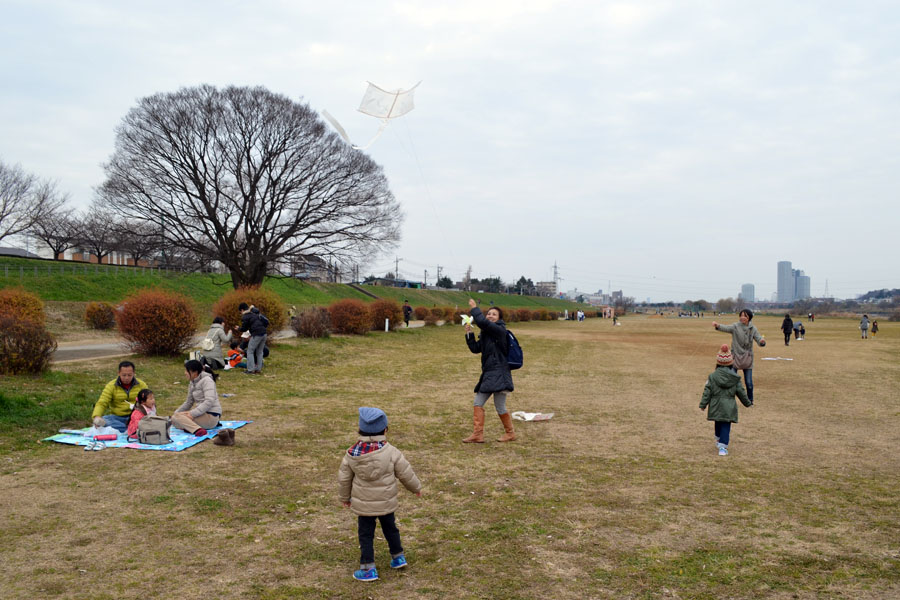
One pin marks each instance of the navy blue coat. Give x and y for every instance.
(493, 345)
(251, 322)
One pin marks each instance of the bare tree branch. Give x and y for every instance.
(24, 199)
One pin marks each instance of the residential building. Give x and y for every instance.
(748, 292)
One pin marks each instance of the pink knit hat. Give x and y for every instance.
(724, 356)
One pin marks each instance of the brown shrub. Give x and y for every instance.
(437, 312)
(267, 301)
(385, 309)
(157, 322)
(450, 315)
(421, 312)
(552, 315)
(312, 323)
(350, 316)
(431, 320)
(523, 314)
(19, 304)
(25, 346)
(541, 314)
(511, 316)
(99, 315)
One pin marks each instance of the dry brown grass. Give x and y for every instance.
(620, 496)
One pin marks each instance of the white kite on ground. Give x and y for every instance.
(526, 416)
(380, 103)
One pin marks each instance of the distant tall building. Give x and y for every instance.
(785, 282)
(793, 284)
(802, 287)
(748, 292)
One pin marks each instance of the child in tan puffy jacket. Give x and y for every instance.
(367, 484)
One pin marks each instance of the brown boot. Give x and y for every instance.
(510, 435)
(477, 436)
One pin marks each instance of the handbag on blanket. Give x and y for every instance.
(154, 430)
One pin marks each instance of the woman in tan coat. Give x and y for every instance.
(201, 410)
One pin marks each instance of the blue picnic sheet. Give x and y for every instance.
(181, 440)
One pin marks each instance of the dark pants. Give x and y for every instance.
(366, 526)
(748, 382)
(723, 431)
(787, 338)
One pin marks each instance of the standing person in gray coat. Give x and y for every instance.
(217, 335)
(864, 326)
(496, 378)
(201, 410)
(743, 334)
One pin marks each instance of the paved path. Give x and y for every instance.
(71, 351)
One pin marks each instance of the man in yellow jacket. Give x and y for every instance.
(117, 398)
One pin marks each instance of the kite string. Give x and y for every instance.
(415, 155)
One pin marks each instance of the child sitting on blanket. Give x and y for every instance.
(144, 405)
(367, 484)
(235, 358)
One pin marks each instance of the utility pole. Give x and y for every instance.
(396, 268)
(426, 279)
(556, 276)
(439, 272)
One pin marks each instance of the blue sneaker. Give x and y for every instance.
(399, 562)
(366, 575)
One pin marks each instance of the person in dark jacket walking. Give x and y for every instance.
(787, 326)
(496, 378)
(721, 387)
(250, 321)
(407, 312)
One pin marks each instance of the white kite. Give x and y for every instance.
(383, 104)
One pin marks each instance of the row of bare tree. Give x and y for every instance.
(35, 207)
(242, 176)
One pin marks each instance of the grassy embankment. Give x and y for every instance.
(66, 287)
(621, 495)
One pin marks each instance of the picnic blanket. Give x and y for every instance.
(181, 440)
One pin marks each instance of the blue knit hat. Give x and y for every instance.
(372, 420)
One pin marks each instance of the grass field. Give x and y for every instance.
(621, 495)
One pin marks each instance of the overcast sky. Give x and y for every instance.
(669, 149)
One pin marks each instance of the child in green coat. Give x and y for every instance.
(722, 386)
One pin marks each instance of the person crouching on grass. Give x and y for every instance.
(367, 485)
(721, 387)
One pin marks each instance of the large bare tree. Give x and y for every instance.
(249, 178)
(24, 198)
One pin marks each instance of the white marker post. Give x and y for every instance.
(386, 328)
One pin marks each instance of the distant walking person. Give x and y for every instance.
(864, 326)
(407, 312)
(743, 334)
(787, 326)
(874, 327)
